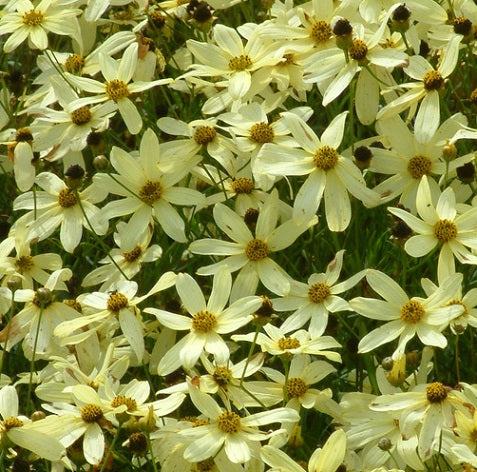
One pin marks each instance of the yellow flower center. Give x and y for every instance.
(24, 264)
(74, 63)
(228, 422)
(32, 18)
(320, 32)
(204, 321)
(433, 80)
(222, 375)
(358, 50)
(318, 292)
(199, 422)
(204, 134)
(326, 158)
(256, 250)
(412, 312)
(91, 413)
(295, 387)
(74, 304)
(419, 166)
(81, 116)
(243, 185)
(436, 392)
(445, 231)
(287, 59)
(11, 422)
(288, 343)
(116, 302)
(132, 255)
(240, 62)
(122, 400)
(389, 43)
(473, 435)
(150, 192)
(67, 198)
(116, 89)
(262, 133)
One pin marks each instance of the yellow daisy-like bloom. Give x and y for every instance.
(206, 323)
(36, 21)
(229, 58)
(148, 187)
(330, 175)
(441, 225)
(237, 434)
(116, 87)
(251, 253)
(429, 81)
(425, 410)
(406, 317)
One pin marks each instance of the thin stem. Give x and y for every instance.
(456, 355)
(149, 445)
(97, 238)
(32, 363)
(110, 449)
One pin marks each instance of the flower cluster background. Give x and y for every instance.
(238, 236)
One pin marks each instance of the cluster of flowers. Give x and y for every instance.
(241, 177)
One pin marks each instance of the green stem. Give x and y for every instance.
(32, 363)
(368, 362)
(149, 445)
(97, 238)
(110, 450)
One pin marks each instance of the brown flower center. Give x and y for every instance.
(320, 32)
(240, 62)
(295, 387)
(150, 192)
(358, 50)
(204, 321)
(288, 343)
(412, 312)
(122, 400)
(74, 63)
(204, 134)
(243, 185)
(433, 80)
(81, 116)
(117, 89)
(228, 422)
(222, 375)
(67, 198)
(91, 413)
(445, 231)
(132, 255)
(24, 264)
(32, 18)
(262, 133)
(116, 302)
(138, 443)
(256, 250)
(12, 422)
(436, 392)
(318, 292)
(419, 166)
(326, 158)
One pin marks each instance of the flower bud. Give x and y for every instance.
(100, 162)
